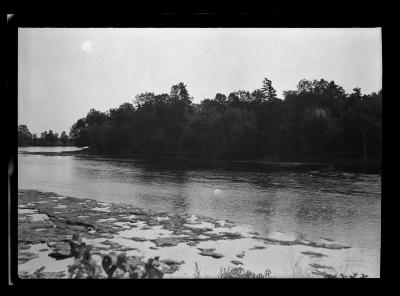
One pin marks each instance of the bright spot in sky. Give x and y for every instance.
(87, 46)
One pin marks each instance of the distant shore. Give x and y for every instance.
(373, 165)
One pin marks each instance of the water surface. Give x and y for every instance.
(307, 203)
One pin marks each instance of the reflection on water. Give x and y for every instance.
(312, 204)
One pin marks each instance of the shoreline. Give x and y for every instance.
(46, 221)
(374, 165)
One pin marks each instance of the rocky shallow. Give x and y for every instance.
(47, 221)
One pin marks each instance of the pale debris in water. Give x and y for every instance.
(129, 216)
(282, 236)
(123, 224)
(193, 218)
(153, 233)
(38, 217)
(200, 225)
(26, 211)
(162, 218)
(107, 219)
(106, 209)
(58, 197)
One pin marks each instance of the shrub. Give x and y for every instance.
(239, 272)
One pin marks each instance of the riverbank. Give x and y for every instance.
(186, 244)
(371, 165)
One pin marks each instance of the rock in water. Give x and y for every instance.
(258, 248)
(313, 254)
(172, 262)
(167, 241)
(217, 255)
(210, 252)
(61, 251)
(241, 255)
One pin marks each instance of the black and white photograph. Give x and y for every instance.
(195, 153)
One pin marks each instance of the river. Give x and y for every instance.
(296, 202)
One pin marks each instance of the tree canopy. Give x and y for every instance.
(47, 138)
(317, 120)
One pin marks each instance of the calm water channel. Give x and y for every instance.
(312, 203)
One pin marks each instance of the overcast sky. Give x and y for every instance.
(62, 73)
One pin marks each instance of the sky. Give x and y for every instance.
(64, 72)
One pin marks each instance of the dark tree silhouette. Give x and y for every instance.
(24, 135)
(268, 90)
(318, 120)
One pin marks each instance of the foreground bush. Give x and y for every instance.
(239, 272)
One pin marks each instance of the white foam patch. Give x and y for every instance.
(192, 218)
(200, 225)
(221, 222)
(282, 236)
(26, 211)
(57, 197)
(140, 245)
(130, 217)
(243, 230)
(123, 224)
(282, 261)
(38, 217)
(162, 218)
(106, 219)
(107, 209)
(50, 264)
(139, 224)
(145, 234)
(61, 207)
(93, 241)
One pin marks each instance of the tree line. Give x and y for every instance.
(318, 120)
(47, 138)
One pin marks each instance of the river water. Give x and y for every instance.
(305, 203)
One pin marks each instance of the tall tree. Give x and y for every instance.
(258, 96)
(24, 135)
(268, 90)
(79, 133)
(179, 93)
(220, 98)
(64, 138)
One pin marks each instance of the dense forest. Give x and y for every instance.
(318, 120)
(47, 138)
